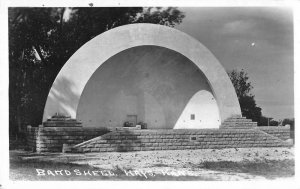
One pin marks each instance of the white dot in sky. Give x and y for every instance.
(253, 44)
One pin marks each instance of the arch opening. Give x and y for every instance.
(152, 83)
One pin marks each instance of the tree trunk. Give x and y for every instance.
(19, 123)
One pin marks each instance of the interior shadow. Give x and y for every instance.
(62, 99)
(151, 82)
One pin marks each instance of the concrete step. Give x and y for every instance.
(237, 116)
(238, 120)
(237, 123)
(236, 127)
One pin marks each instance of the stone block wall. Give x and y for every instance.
(83, 139)
(51, 139)
(144, 140)
(281, 132)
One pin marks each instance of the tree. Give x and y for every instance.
(288, 121)
(243, 87)
(41, 40)
(268, 121)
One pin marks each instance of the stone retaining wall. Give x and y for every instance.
(144, 140)
(281, 132)
(51, 139)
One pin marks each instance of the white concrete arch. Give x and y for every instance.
(69, 84)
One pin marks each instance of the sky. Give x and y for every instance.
(258, 40)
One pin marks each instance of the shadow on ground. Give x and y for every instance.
(270, 169)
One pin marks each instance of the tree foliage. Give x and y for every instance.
(289, 121)
(243, 87)
(41, 40)
(269, 121)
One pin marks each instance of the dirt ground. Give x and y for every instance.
(203, 164)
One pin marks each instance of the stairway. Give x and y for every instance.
(238, 122)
